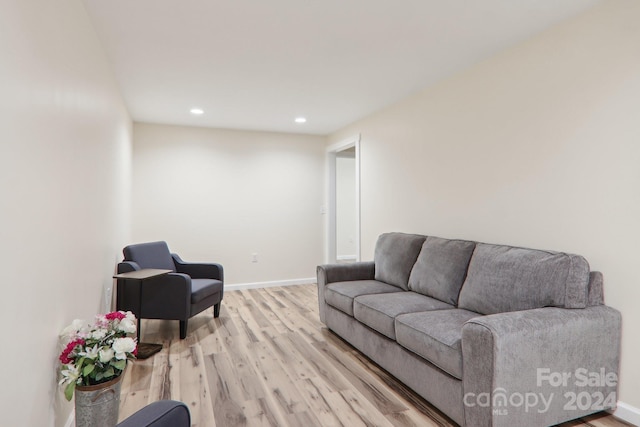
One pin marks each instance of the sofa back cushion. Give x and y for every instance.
(441, 268)
(394, 257)
(504, 278)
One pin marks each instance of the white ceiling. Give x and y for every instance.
(258, 64)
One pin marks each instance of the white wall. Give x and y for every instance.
(346, 206)
(222, 195)
(65, 143)
(538, 146)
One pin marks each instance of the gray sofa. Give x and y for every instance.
(491, 335)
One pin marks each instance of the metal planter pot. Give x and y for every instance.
(98, 405)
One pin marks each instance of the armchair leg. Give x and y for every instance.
(216, 309)
(183, 329)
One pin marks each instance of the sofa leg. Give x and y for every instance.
(183, 329)
(216, 309)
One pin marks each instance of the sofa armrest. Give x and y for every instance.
(345, 272)
(163, 413)
(541, 366)
(330, 273)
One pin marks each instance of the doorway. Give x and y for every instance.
(343, 219)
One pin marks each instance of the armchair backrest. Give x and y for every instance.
(150, 255)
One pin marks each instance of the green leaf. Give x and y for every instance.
(109, 372)
(80, 362)
(119, 365)
(68, 390)
(88, 369)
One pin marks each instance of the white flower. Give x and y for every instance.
(127, 325)
(121, 346)
(106, 355)
(91, 353)
(70, 374)
(129, 315)
(98, 334)
(72, 330)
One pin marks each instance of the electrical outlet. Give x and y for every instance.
(254, 257)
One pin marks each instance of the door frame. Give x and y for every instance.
(332, 153)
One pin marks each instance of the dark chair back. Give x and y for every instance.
(150, 255)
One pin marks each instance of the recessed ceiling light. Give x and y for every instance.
(300, 120)
(196, 111)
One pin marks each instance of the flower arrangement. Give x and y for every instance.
(98, 352)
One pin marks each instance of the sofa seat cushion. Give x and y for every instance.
(441, 268)
(203, 288)
(505, 278)
(394, 257)
(340, 295)
(435, 336)
(379, 311)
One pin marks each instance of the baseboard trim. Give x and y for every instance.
(627, 413)
(258, 285)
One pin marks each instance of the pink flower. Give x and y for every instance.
(64, 357)
(115, 315)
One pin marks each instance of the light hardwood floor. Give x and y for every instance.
(269, 361)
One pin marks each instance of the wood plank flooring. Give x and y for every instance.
(269, 361)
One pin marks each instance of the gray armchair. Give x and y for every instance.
(186, 291)
(163, 413)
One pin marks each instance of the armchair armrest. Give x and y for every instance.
(330, 273)
(163, 413)
(199, 270)
(541, 366)
(167, 297)
(128, 267)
